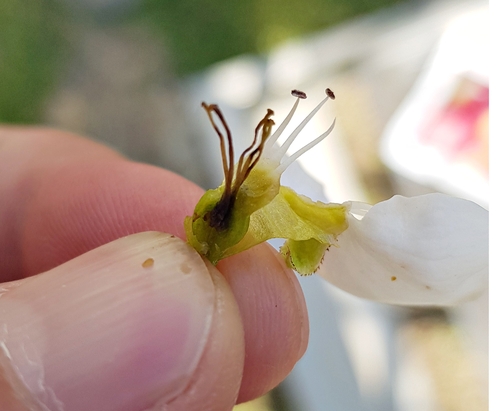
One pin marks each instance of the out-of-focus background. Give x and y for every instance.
(412, 109)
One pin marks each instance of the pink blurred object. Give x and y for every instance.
(438, 138)
(458, 128)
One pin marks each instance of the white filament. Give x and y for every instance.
(274, 137)
(280, 152)
(287, 161)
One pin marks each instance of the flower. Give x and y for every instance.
(428, 249)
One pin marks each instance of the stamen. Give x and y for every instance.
(284, 165)
(300, 96)
(253, 158)
(219, 217)
(228, 166)
(282, 150)
(261, 125)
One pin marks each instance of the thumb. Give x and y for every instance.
(130, 326)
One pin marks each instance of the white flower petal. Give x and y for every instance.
(425, 250)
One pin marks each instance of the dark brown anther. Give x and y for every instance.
(330, 94)
(299, 94)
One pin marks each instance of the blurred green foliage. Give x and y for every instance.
(197, 33)
(31, 49)
(201, 32)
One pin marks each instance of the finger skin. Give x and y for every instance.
(62, 195)
(135, 336)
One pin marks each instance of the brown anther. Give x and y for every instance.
(330, 94)
(299, 94)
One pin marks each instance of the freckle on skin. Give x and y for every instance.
(393, 278)
(427, 287)
(185, 268)
(148, 263)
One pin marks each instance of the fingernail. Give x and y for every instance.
(119, 328)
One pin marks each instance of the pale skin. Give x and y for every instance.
(61, 196)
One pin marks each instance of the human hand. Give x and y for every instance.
(97, 330)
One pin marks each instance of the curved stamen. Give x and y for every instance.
(261, 125)
(228, 165)
(284, 165)
(253, 158)
(266, 131)
(282, 150)
(300, 96)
